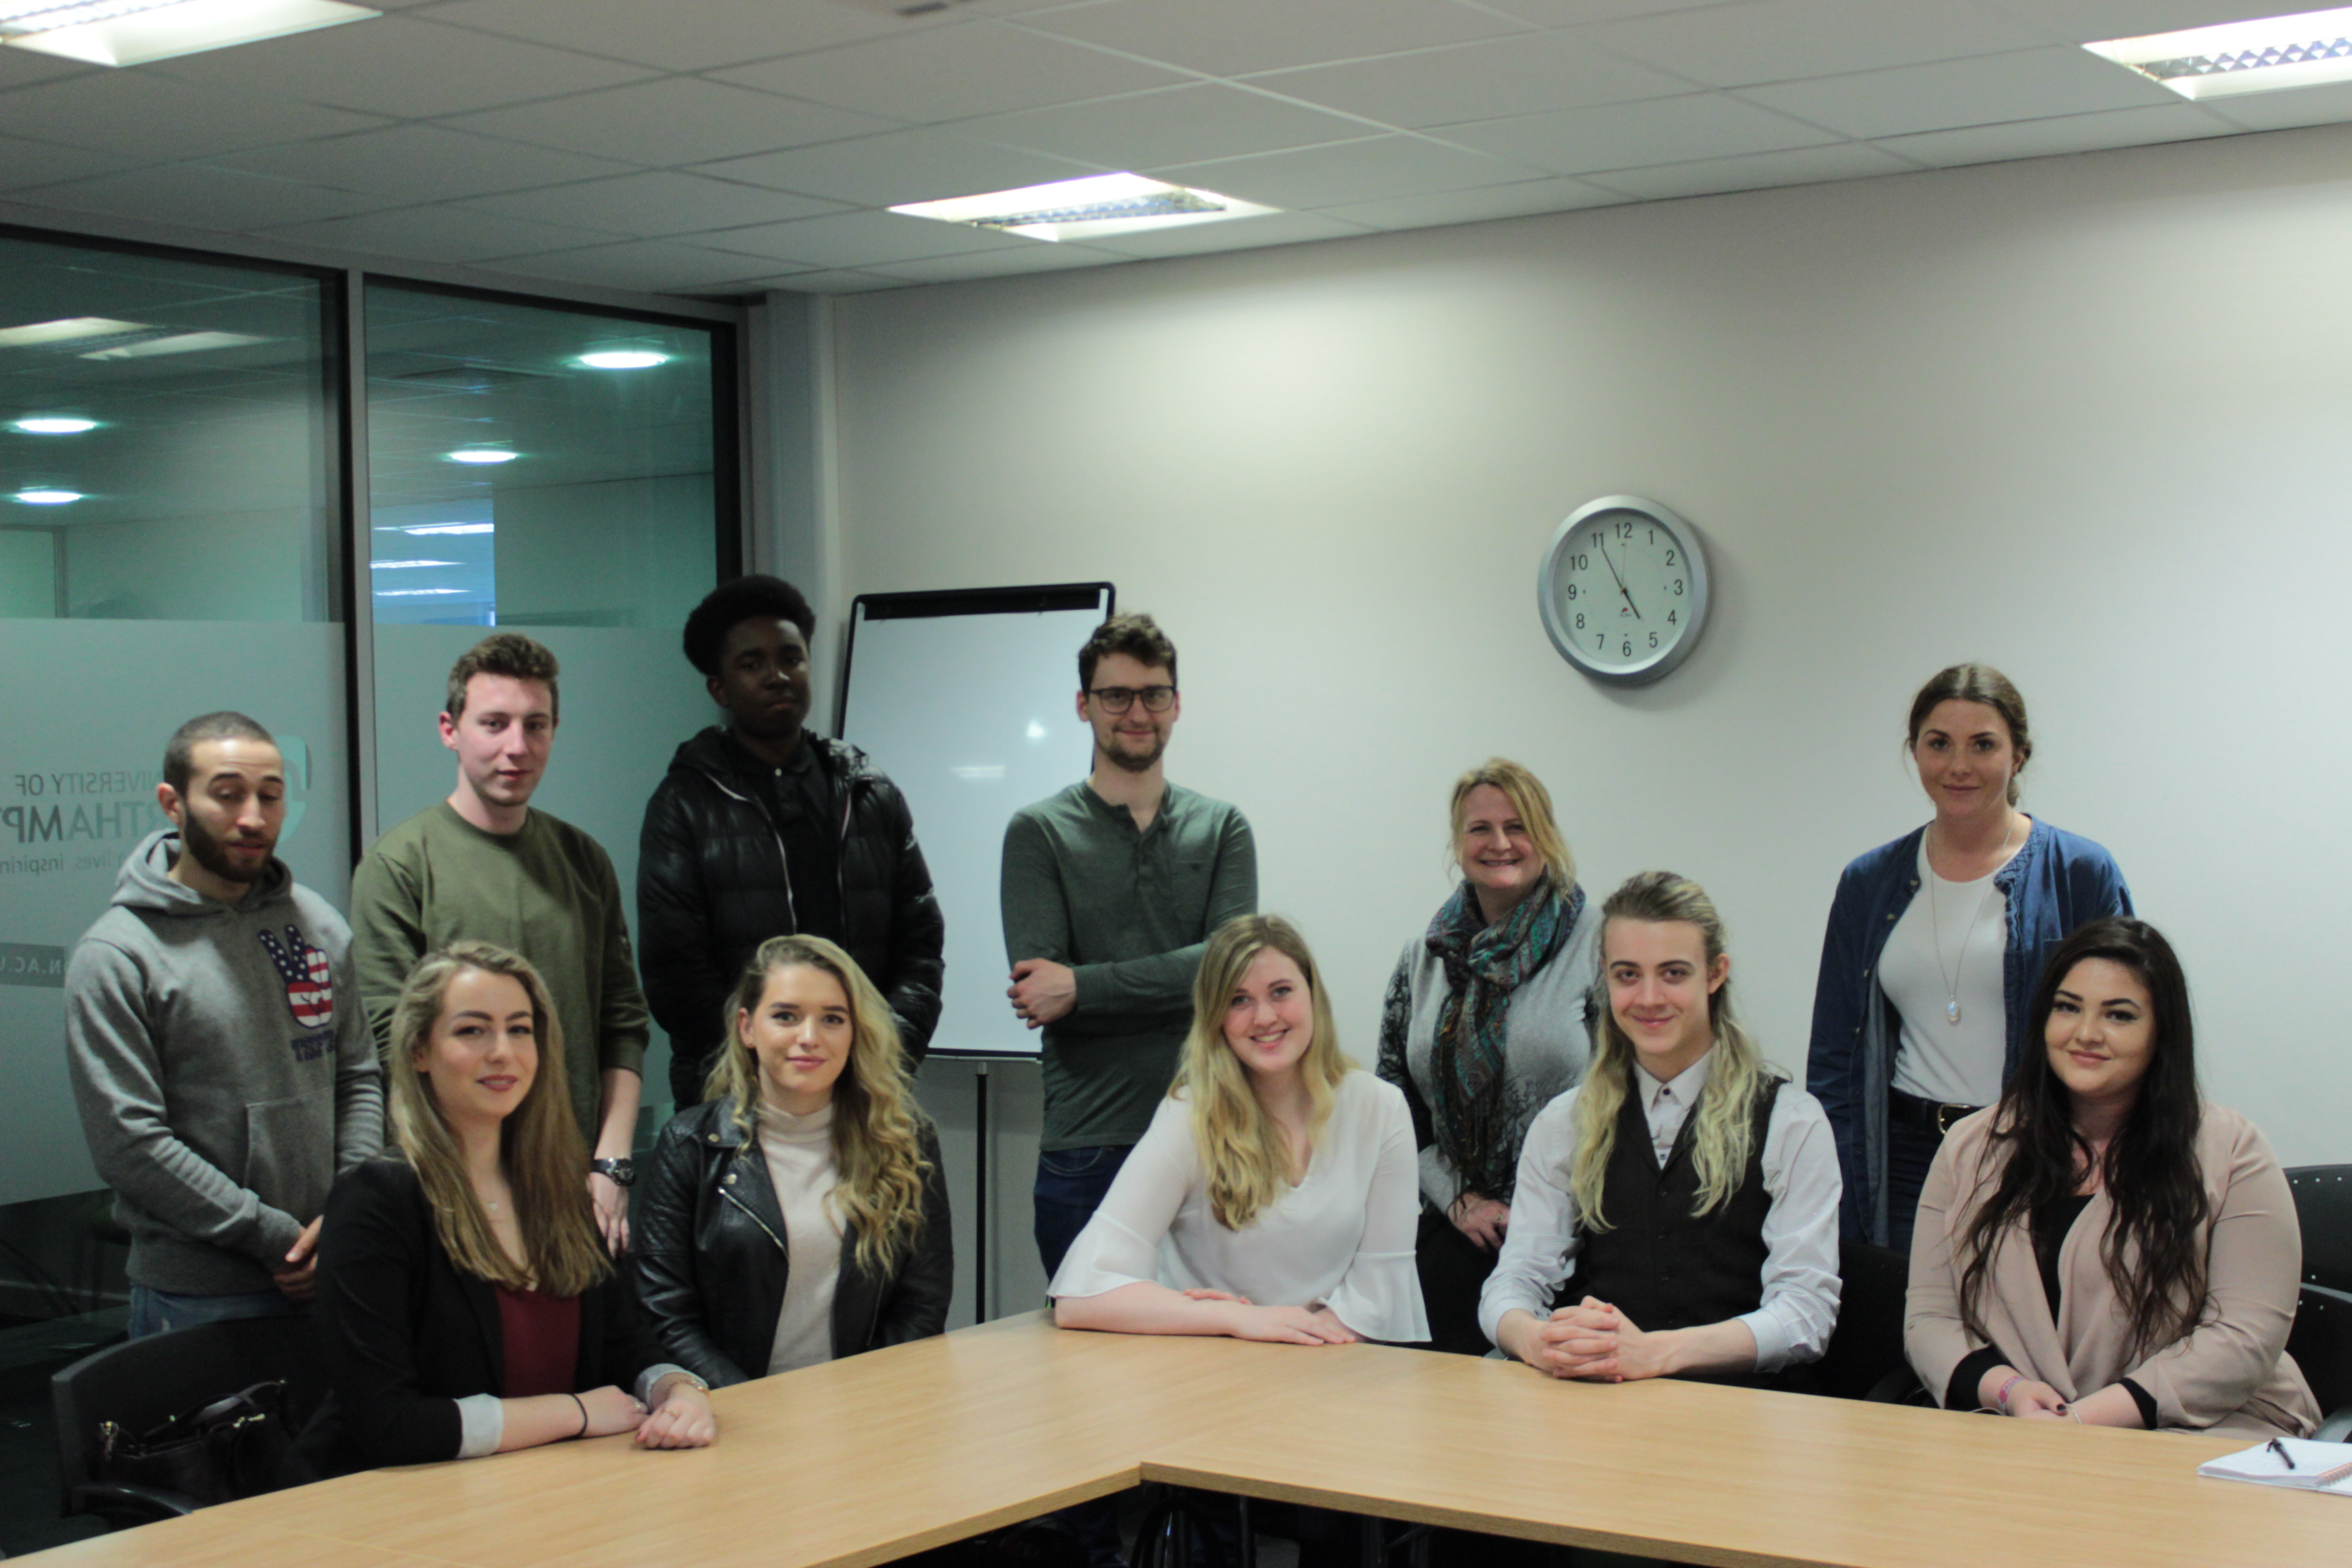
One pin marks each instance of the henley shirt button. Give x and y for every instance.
(730, 1178)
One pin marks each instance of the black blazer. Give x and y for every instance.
(707, 1245)
(405, 1335)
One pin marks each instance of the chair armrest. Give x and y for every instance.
(1901, 1386)
(122, 1503)
(2337, 1427)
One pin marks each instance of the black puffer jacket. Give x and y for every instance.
(711, 887)
(709, 1252)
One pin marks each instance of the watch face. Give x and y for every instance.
(1623, 589)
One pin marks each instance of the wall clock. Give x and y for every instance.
(1623, 590)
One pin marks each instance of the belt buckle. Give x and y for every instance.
(1945, 1115)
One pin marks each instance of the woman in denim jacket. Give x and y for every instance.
(1919, 1012)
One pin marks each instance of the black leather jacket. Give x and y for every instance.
(707, 1243)
(712, 885)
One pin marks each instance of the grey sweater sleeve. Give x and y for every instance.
(117, 1085)
(359, 1088)
(1162, 982)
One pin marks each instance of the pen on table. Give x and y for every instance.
(2275, 1447)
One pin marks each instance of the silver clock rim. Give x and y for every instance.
(1666, 661)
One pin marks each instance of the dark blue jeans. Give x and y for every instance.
(1910, 1149)
(161, 1312)
(1071, 1183)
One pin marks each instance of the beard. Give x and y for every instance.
(212, 855)
(1134, 763)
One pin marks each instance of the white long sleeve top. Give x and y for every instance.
(1342, 1239)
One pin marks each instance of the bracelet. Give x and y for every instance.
(2002, 1398)
(583, 1415)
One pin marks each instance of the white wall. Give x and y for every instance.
(2085, 418)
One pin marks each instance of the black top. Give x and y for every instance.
(800, 797)
(710, 1262)
(405, 1335)
(2050, 1227)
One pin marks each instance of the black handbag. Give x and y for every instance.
(227, 1449)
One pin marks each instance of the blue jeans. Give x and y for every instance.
(156, 1311)
(1071, 1183)
(1910, 1149)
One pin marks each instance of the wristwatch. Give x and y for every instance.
(622, 1170)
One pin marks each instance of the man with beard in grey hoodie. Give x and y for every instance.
(225, 1073)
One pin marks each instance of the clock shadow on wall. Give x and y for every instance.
(1627, 592)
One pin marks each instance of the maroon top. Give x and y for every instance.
(542, 1339)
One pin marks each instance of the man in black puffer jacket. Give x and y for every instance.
(761, 828)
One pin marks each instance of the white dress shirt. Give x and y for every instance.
(1792, 1324)
(1341, 1239)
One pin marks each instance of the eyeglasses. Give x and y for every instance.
(1119, 699)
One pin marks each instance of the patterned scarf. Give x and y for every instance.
(1484, 965)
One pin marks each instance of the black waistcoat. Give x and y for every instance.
(1659, 1264)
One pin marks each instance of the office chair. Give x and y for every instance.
(2321, 1344)
(1864, 1359)
(2323, 1207)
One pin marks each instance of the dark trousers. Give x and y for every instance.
(1453, 1270)
(1910, 1149)
(1071, 1183)
(687, 1075)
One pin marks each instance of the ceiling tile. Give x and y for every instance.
(2068, 134)
(1623, 135)
(677, 120)
(1350, 171)
(1783, 40)
(1525, 199)
(2083, 21)
(421, 164)
(128, 111)
(2284, 110)
(653, 204)
(21, 68)
(1232, 37)
(906, 166)
(1474, 82)
(1576, 12)
(437, 234)
(200, 197)
(677, 38)
(2035, 84)
(1758, 171)
(1000, 263)
(953, 73)
(1174, 125)
(1242, 234)
(25, 163)
(402, 66)
(858, 239)
(655, 266)
(834, 282)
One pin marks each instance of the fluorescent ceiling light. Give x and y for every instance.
(177, 343)
(481, 455)
(623, 359)
(415, 592)
(133, 32)
(53, 425)
(1086, 207)
(65, 331)
(2241, 56)
(47, 498)
(407, 566)
(447, 528)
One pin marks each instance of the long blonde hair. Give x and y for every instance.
(540, 1146)
(877, 1148)
(1723, 1125)
(1531, 801)
(1242, 1147)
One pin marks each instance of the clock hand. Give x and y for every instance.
(1621, 581)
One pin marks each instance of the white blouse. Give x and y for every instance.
(1341, 1239)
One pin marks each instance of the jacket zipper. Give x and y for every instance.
(792, 907)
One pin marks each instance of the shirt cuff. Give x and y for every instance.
(655, 1373)
(1962, 1393)
(481, 1424)
(2149, 1417)
(1774, 1344)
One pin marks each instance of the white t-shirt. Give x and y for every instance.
(1951, 1064)
(1341, 1239)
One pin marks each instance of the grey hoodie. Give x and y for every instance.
(223, 1069)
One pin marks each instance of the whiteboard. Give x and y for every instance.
(967, 700)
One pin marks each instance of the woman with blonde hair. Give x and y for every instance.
(799, 1214)
(1279, 1174)
(1484, 1024)
(468, 1306)
(1685, 1195)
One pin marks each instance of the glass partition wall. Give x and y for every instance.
(173, 539)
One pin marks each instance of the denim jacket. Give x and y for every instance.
(2054, 883)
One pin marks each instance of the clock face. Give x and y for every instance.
(1623, 589)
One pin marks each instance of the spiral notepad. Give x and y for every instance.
(2317, 1467)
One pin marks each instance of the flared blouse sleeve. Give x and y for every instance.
(1380, 1295)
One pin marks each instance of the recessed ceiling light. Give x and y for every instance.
(2235, 58)
(133, 32)
(1084, 208)
(407, 565)
(177, 343)
(623, 359)
(64, 330)
(47, 498)
(53, 425)
(423, 529)
(483, 455)
(415, 592)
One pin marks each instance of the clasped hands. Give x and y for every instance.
(681, 1416)
(1595, 1341)
(1041, 990)
(1279, 1325)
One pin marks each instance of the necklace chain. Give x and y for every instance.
(1936, 925)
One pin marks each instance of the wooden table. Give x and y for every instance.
(863, 1460)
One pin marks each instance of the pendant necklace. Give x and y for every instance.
(1935, 927)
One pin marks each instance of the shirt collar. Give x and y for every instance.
(1687, 1084)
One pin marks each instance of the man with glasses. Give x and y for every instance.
(1110, 890)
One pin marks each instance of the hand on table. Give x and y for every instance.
(1290, 1325)
(1043, 991)
(2028, 1399)
(682, 1420)
(1595, 1341)
(1481, 1218)
(610, 1410)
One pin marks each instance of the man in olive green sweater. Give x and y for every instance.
(482, 866)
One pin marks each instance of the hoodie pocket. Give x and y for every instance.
(289, 1152)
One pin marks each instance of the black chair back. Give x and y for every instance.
(2322, 1207)
(2321, 1344)
(1865, 1350)
(141, 1384)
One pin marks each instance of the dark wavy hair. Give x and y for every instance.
(739, 600)
(2153, 1250)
